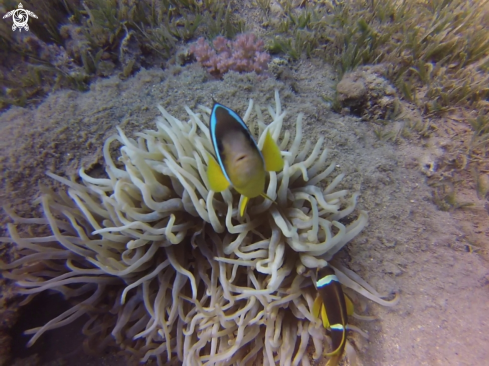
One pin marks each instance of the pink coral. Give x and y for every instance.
(244, 54)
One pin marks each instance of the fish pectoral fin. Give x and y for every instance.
(319, 311)
(271, 155)
(242, 207)
(324, 316)
(316, 307)
(217, 180)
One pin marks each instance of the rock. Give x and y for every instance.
(352, 92)
(367, 94)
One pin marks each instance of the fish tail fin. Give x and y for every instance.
(242, 207)
(271, 155)
(217, 180)
(341, 347)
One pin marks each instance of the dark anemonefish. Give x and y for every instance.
(333, 307)
(239, 161)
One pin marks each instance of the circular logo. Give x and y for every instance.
(20, 17)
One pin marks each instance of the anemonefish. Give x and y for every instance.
(333, 307)
(239, 161)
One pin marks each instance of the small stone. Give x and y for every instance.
(351, 90)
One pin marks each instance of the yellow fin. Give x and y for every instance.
(217, 180)
(349, 306)
(318, 310)
(338, 352)
(316, 307)
(271, 155)
(243, 206)
(324, 316)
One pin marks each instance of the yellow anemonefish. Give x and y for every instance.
(239, 161)
(333, 307)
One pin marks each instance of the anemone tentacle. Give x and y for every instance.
(166, 269)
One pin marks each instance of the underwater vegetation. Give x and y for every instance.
(75, 41)
(439, 48)
(167, 269)
(437, 51)
(437, 55)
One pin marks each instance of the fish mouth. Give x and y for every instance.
(240, 158)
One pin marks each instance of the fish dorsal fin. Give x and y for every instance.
(242, 206)
(217, 180)
(271, 155)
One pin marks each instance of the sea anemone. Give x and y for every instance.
(165, 267)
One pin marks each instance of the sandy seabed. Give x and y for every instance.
(409, 246)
